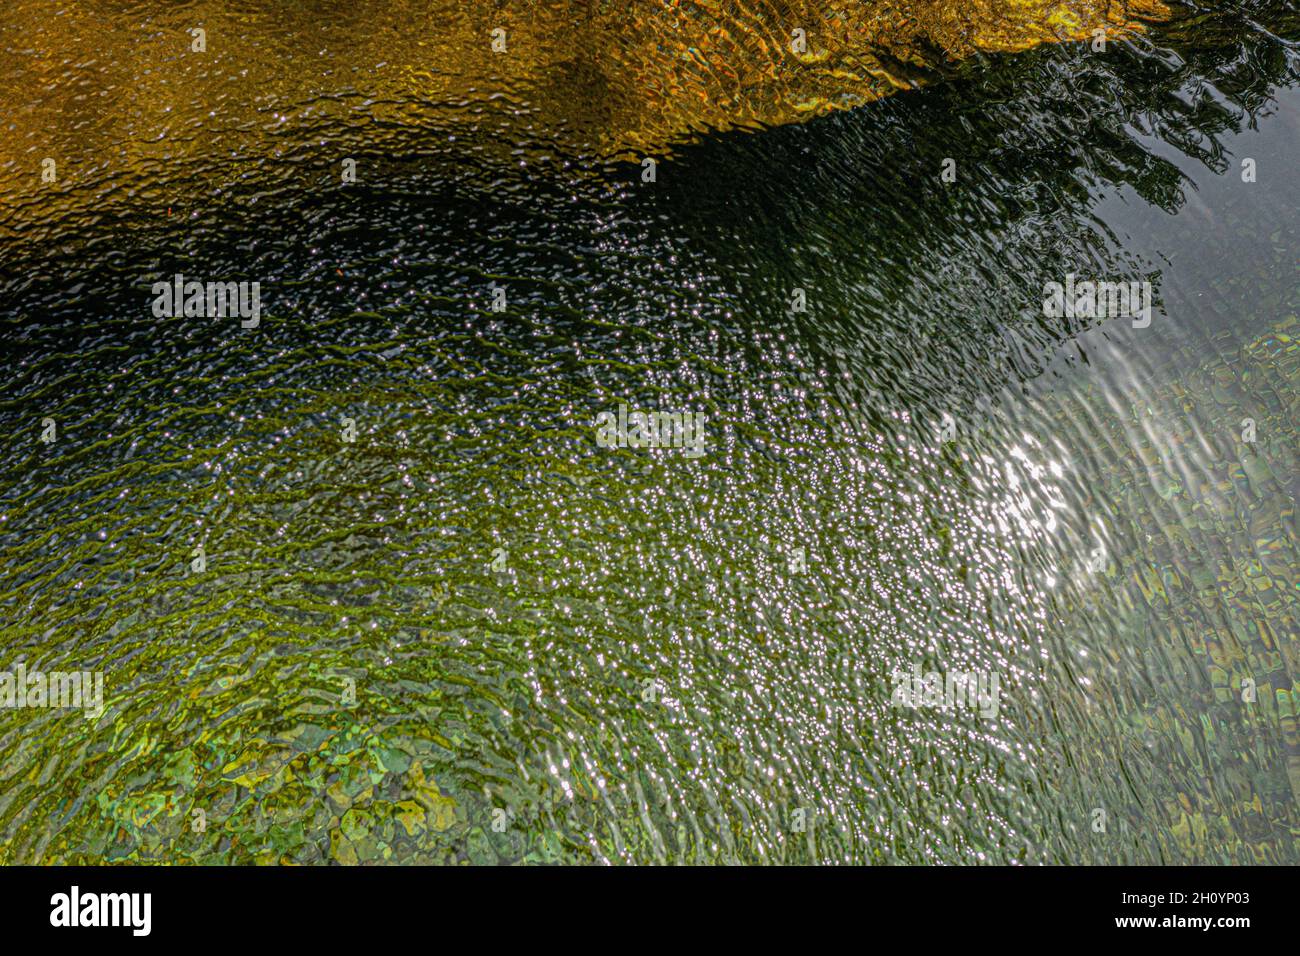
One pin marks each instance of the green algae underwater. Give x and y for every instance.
(473, 635)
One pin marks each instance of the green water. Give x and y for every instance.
(474, 635)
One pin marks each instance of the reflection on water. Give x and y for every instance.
(472, 633)
(123, 96)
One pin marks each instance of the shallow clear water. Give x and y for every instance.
(475, 634)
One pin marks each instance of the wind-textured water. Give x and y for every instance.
(435, 621)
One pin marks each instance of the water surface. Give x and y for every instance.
(473, 634)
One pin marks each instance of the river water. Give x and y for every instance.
(435, 620)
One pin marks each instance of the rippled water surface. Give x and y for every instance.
(473, 633)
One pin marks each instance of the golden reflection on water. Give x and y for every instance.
(106, 90)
